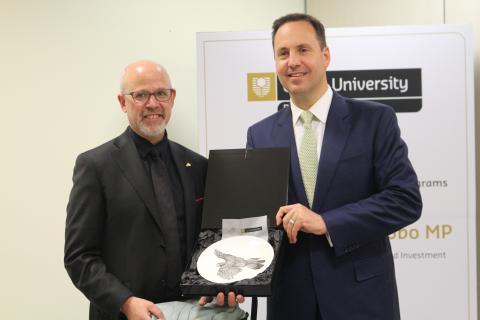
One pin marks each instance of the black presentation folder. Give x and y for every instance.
(241, 183)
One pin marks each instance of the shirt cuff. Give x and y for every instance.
(327, 235)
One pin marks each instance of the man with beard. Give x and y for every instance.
(135, 207)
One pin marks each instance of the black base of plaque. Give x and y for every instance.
(193, 284)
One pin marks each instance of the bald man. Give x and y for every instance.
(135, 207)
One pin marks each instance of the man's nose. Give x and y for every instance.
(152, 101)
(293, 60)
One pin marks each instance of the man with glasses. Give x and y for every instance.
(135, 206)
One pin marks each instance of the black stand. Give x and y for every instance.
(254, 308)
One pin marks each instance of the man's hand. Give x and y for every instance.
(139, 309)
(232, 299)
(297, 217)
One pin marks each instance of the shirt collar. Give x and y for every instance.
(144, 146)
(319, 109)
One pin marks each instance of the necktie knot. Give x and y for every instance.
(154, 154)
(307, 118)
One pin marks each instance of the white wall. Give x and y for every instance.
(60, 63)
(351, 13)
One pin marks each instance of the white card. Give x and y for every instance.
(255, 227)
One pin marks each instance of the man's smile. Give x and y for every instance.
(296, 74)
(154, 116)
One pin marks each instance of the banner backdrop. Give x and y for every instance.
(426, 75)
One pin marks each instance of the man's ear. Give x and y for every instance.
(121, 100)
(326, 56)
(174, 94)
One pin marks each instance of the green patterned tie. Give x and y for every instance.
(308, 156)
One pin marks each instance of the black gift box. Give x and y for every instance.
(241, 183)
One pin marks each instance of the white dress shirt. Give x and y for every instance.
(320, 113)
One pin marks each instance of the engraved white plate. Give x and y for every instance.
(234, 259)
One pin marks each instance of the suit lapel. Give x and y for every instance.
(334, 139)
(283, 132)
(127, 158)
(183, 166)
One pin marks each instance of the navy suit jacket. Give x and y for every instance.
(114, 236)
(366, 189)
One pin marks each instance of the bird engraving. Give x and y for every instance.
(233, 264)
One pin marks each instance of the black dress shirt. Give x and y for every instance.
(144, 148)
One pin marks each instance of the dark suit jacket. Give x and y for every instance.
(366, 189)
(114, 244)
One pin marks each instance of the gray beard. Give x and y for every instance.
(152, 132)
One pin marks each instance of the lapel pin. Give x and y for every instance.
(188, 165)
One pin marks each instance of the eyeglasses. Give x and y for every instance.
(144, 96)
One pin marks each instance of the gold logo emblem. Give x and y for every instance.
(261, 86)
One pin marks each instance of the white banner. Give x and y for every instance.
(426, 74)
